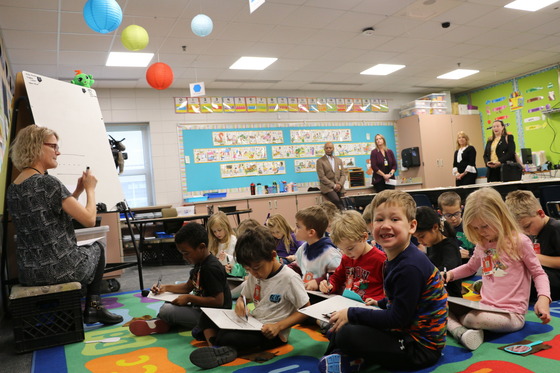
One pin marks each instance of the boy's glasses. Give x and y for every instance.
(455, 215)
(52, 145)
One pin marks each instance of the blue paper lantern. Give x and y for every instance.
(202, 25)
(102, 16)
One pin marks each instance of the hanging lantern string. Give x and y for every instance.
(115, 32)
(180, 18)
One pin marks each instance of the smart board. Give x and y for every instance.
(73, 112)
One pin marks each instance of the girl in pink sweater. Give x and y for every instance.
(508, 263)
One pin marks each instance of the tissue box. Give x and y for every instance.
(185, 210)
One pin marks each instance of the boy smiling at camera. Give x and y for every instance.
(408, 332)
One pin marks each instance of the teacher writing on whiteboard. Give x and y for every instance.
(42, 209)
(500, 148)
(383, 165)
(330, 171)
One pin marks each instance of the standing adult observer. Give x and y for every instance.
(331, 176)
(464, 161)
(42, 209)
(500, 149)
(383, 164)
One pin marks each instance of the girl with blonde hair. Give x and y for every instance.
(508, 264)
(286, 243)
(222, 239)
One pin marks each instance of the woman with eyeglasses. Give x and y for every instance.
(464, 161)
(42, 209)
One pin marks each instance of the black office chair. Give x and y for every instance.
(422, 200)
(553, 209)
(547, 194)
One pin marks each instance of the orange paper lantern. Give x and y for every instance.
(159, 75)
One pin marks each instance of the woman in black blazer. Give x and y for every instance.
(500, 149)
(464, 161)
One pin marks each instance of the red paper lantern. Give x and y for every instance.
(159, 75)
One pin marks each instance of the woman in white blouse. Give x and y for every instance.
(464, 161)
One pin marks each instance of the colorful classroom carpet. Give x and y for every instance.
(169, 352)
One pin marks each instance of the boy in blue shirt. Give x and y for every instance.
(408, 332)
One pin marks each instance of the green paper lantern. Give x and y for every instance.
(135, 38)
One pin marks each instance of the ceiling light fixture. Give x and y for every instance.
(458, 74)
(382, 69)
(252, 63)
(129, 59)
(529, 5)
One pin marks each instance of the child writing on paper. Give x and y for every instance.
(408, 332)
(508, 264)
(277, 293)
(360, 269)
(286, 242)
(439, 239)
(545, 232)
(222, 239)
(207, 287)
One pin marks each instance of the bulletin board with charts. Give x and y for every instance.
(497, 103)
(232, 156)
(540, 93)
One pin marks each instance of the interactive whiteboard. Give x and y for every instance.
(73, 112)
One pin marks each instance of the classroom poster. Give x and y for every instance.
(541, 93)
(494, 104)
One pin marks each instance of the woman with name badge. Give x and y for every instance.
(383, 165)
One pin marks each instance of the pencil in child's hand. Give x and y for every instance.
(246, 309)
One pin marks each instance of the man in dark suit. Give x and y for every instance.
(331, 176)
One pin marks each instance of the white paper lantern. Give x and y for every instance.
(202, 25)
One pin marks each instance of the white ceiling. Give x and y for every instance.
(318, 43)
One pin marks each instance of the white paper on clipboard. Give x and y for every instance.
(391, 182)
(327, 306)
(227, 319)
(474, 305)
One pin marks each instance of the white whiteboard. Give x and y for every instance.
(73, 112)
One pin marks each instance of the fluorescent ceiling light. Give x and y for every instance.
(128, 59)
(529, 5)
(382, 69)
(252, 63)
(458, 74)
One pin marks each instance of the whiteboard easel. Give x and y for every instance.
(73, 112)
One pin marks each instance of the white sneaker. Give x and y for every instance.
(472, 338)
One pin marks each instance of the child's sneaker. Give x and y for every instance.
(212, 357)
(198, 334)
(336, 363)
(146, 327)
(472, 338)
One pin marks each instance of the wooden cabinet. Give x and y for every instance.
(307, 200)
(276, 204)
(436, 136)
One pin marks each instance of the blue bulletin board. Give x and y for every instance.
(221, 157)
